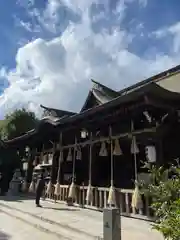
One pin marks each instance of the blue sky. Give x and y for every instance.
(51, 49)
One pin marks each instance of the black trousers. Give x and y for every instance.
(38, 196)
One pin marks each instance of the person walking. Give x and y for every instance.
(39, 189)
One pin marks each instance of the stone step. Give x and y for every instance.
(45, 225)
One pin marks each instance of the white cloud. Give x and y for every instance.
(172, 31)
(3, 72)
(57, 72)
(143, 3)
(27, 25)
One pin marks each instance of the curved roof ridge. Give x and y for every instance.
(153, 79)
(58, 112)
(102, 87)
(105, 94)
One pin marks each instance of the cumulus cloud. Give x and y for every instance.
(56, 72)
(174, 32)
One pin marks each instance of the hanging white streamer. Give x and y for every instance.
(117, 149)
(134, 146)
(103, 151)
(69, 157)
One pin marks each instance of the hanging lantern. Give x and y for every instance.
(69, 157)
(24, 186)
(89, 193)
(27, 149)
(117, 149)
(84, 133)
(32, 187)
(25, 166)
(40, 159)
(136, 203)
(58, 146)
(49, 190)
(112, 196)
(72, 191)
(35, 162)
(50, 158)
(79, 154)
(57, 190)
(46, 159)
(150, 153)
(134, 146)
(103, 151)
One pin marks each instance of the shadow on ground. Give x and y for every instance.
(4, 236)
(20, 198)
(62, 209)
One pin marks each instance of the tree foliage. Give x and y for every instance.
(17, 123)
(164, 189)
(14, 125)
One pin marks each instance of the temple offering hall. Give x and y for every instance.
(96, 157)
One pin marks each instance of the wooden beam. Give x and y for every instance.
(159, 103)
(122, 135)
(122, 110)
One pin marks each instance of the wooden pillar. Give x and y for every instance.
(54, 165)
(97, 167)
(57, 190)
(159, 149)
(89, 196)
(50, 187)
(61, 160)
(30, 166)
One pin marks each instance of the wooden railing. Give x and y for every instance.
(100, 199)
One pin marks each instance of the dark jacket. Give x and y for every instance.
(40, 186)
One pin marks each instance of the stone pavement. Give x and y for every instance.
(71, 222)
(13, 229)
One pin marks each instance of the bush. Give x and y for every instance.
(164, 189)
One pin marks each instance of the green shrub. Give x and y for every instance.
(164, 189)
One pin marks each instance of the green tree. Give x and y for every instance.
(164, 189)
(9, 161)
(17, 123)
(14, 125)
